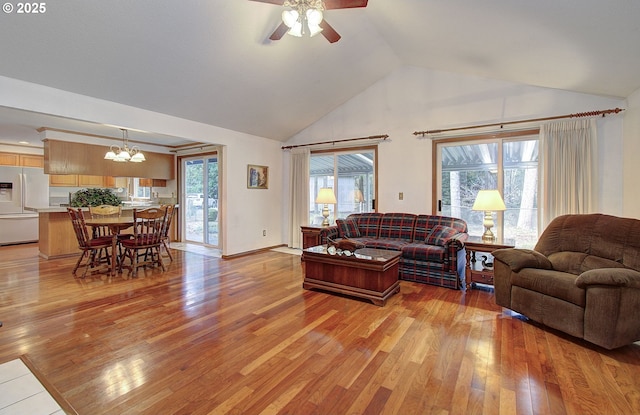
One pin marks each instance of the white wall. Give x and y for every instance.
(631, 152)
(415, 99)
(244, 214)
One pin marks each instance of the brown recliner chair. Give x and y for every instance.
(581, 278)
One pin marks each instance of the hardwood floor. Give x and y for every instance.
(241, 336)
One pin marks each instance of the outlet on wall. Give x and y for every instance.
(401, 196)
(264, 232)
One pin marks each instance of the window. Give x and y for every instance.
(508, 163)
(351, 174)
(140, 191)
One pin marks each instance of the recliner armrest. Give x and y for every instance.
(619, 277)
(518, 258)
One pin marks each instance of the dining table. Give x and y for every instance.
(116, 225)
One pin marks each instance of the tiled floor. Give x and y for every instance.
(22, 393)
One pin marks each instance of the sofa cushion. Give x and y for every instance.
(439, 235)
(397, 226)
(348, 228)
(368, 223)
(556, 284)
(425, 223)
(391, 244)
(422, 252)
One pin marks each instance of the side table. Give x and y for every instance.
(475, 271)
(311, 236)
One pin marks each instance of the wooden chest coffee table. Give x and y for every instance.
(371, 274)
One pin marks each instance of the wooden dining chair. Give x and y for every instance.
(143, 249)
(106, 211)
(166, 238)
(92, 248)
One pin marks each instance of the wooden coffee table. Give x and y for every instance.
(371, 274)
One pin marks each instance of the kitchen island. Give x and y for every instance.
(57, 239)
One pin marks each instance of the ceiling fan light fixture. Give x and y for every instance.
(314, 18)
(296, 30)
(290, 17)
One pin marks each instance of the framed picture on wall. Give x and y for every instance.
(257, 177)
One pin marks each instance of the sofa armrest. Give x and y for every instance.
(618, 277)
(518, 258)
(456, 240)
(328, 232)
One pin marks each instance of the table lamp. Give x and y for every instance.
(326, 197)
(488, 201)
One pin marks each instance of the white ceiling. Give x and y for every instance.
(211, 61)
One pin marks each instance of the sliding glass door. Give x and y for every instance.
(200, 199)
(508, 165)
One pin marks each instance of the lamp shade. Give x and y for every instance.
(290, 17)
(326, 196)
(111, 155)
(489, 200)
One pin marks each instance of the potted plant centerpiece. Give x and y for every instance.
(94, 197)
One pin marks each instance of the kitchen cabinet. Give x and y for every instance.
(90, 181)
(9, 159)
(29, 160)
(63, 180)
(153, 182)
(22, 160)
(76, 180)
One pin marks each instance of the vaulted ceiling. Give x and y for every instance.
(211, 61)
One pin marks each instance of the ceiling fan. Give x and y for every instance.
(305, 16)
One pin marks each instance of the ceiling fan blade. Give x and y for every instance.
(329, 32)
(279, 32)
(344, 4)
(278, 2)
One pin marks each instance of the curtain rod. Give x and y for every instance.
(371, 137)
(501, 124)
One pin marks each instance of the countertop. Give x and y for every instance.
(63, 209)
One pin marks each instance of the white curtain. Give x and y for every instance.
(568, 169)
(299, 193)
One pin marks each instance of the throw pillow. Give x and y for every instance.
(439, 235)
(348, 228)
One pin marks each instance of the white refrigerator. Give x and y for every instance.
(21, 187)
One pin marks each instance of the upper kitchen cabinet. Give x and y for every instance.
(9, 159)
(22, 160)
(63, 180)
(153, 182)
(90, 181)
(63, 157)
(29, 160)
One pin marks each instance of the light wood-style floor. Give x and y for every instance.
(241, 336)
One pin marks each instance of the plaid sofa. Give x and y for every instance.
(432, 246)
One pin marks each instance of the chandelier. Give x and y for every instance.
(124, 153)
(305, 15)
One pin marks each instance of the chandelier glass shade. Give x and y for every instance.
(125, 153)
(304, 17)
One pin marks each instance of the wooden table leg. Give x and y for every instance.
(114, 253)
